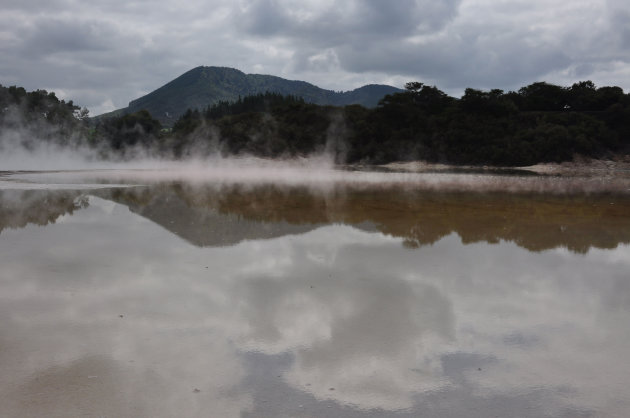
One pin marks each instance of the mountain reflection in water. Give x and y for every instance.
(301, 301)
(207, 215)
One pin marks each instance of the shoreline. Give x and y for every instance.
(616, 167)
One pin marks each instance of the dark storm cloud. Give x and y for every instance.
(36, 6)
(620, 23)
(90, 59)
(320, 36)
(50, 36)
(474, 57)
(455, 44)
(104, 54)
(334, 23)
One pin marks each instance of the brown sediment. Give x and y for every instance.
(211, 216)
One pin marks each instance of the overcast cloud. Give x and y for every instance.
(104, 54)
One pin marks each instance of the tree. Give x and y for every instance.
(542, 96)
(82, 114)
(414, 86)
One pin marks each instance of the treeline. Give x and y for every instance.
(538, 123)
(40, 115)
(266, 125)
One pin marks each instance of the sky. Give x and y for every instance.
(103, 54)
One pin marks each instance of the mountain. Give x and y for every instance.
(200, 224)
(204, 86)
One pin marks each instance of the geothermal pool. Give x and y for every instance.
(280, 293)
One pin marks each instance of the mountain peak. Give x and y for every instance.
(204, 86)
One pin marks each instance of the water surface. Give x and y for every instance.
(347, 299)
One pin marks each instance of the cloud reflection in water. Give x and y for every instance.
(387, 327)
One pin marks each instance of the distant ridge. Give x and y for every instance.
(204, 86)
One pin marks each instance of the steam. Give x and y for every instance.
(336, 145)
(27, 146)
(36, 145)
(316, 173)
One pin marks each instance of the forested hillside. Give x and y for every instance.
(538, 123)
(204, 86)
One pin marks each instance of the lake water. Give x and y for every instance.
(170, 294)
